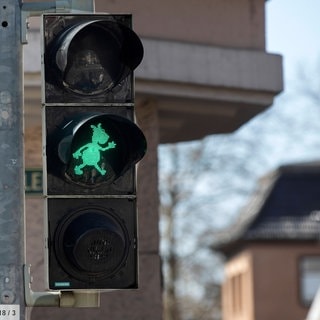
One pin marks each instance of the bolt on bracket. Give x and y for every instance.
(33, 9)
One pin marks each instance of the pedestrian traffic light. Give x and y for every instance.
(91, 146)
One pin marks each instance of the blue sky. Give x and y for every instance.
(293, 29)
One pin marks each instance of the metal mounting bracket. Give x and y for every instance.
(33, 9)
(62, 299)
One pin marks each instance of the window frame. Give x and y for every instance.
(305, 297)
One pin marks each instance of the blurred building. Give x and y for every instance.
(205, 71)
(273, 252)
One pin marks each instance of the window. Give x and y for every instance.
(309, 278)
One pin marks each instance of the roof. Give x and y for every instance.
(286, 207)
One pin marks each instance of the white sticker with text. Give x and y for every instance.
(9, 311)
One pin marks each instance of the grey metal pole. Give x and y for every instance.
(12, 244)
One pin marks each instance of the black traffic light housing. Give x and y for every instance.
(91, 146)
(90, 56)
(93, 244)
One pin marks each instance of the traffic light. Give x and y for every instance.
(91, 146)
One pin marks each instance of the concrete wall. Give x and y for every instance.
(204, 63)
(232, 23)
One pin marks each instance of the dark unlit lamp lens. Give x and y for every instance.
(86, 75)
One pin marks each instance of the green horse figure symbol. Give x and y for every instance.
(90, 153)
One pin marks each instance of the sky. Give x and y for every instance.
(292, 29)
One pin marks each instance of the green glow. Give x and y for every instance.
(90, 152)
(62, 284)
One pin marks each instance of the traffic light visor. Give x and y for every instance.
(92, 57)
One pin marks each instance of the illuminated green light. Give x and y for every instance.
(90, 152)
